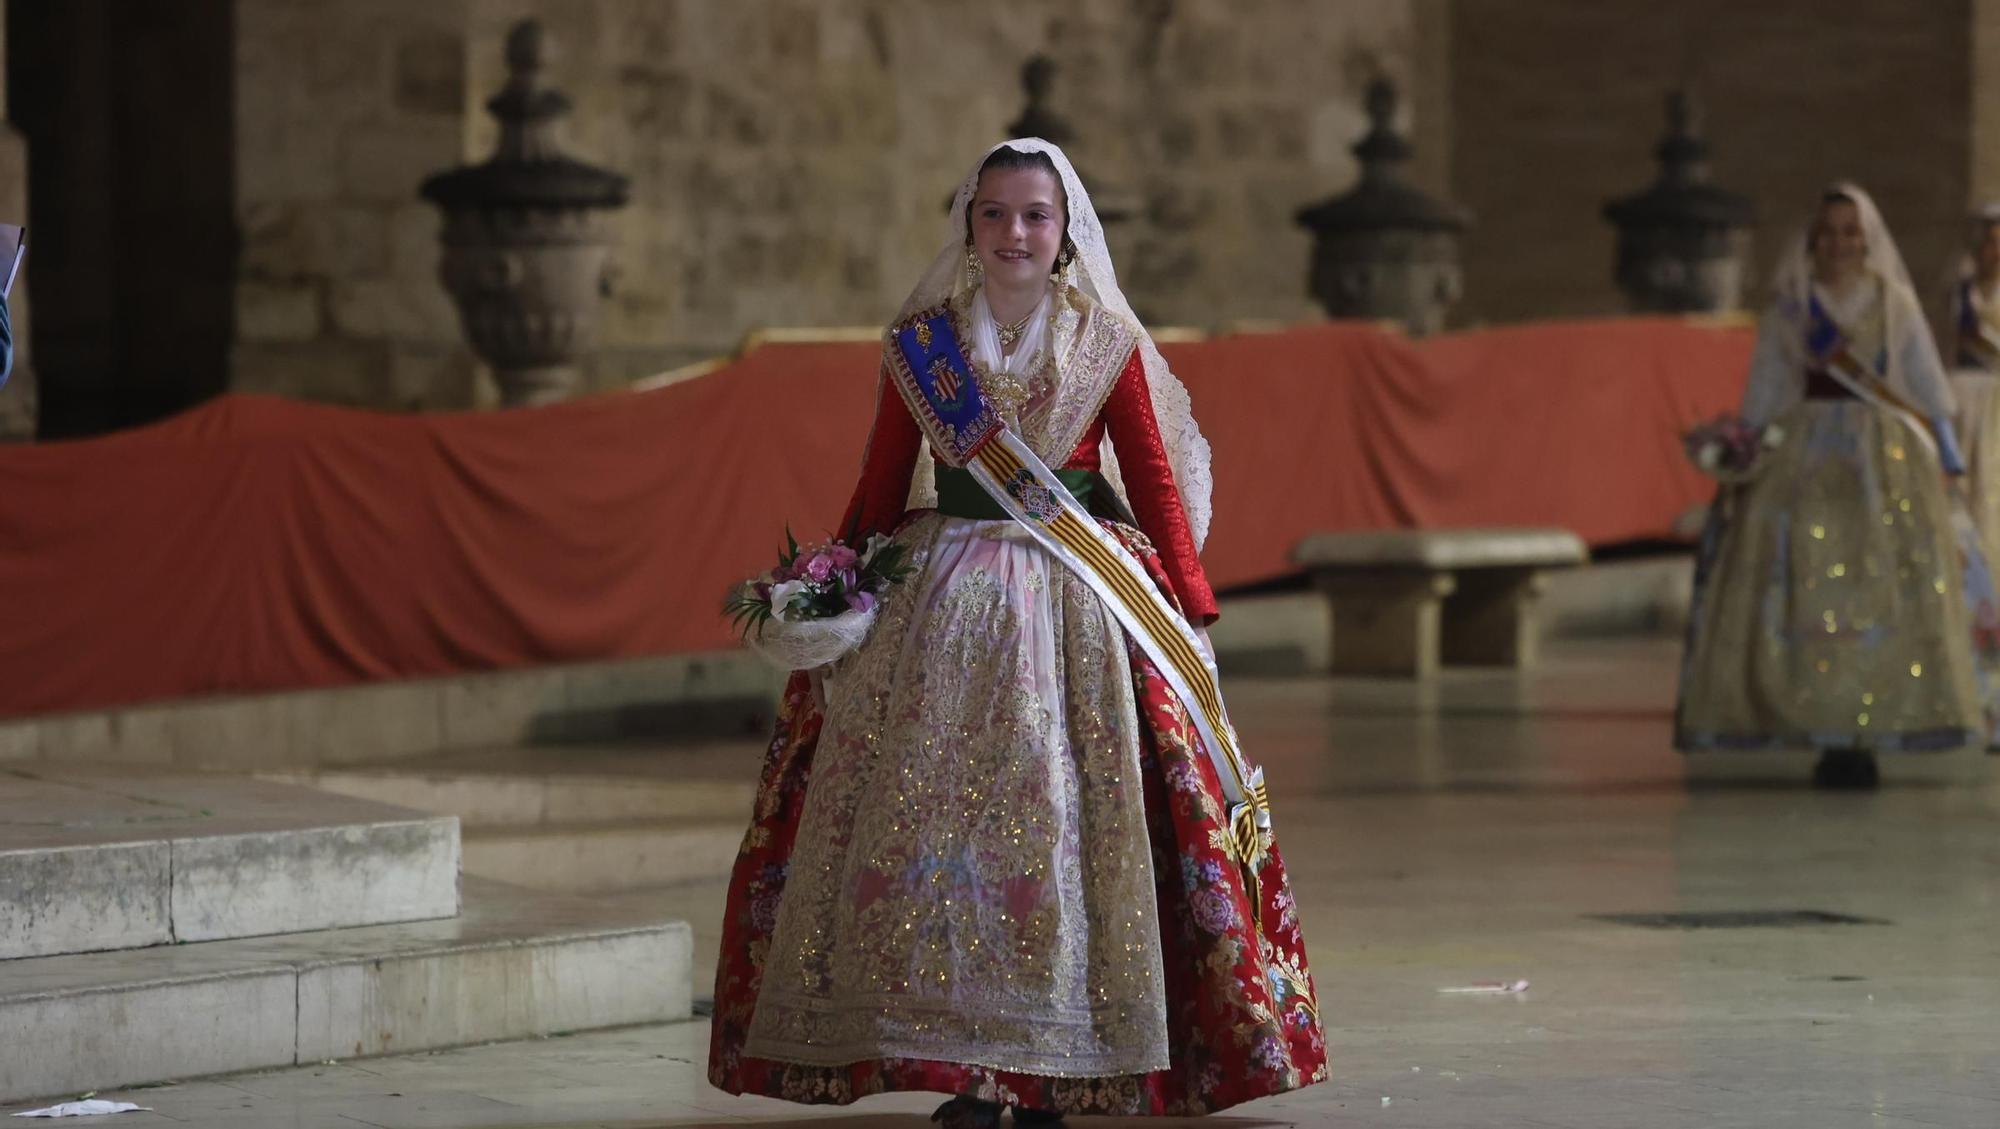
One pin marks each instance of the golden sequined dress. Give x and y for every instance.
(996, 863)
(1833, 606)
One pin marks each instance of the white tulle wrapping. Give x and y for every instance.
(806, 644)
(1187, 451)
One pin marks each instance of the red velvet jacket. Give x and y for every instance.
(1142, 463)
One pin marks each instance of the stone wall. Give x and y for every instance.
(1985, 99)
(341, 111)
(789, 159)
(1556, 105)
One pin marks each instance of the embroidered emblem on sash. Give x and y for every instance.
(1040, 502)
(950, 393)
(931, 369)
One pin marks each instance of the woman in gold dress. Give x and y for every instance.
(1831, 597)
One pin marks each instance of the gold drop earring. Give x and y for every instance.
(1064, 275)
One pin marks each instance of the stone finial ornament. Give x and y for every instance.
(1682, 243)
(526, 247)
(1385, 249)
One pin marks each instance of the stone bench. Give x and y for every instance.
(1406, 601)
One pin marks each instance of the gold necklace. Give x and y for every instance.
(1010, 332)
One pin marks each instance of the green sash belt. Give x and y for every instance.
(960, 495)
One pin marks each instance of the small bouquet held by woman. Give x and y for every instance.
(1728, 447)
(818, 604)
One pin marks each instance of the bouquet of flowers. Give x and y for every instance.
(820, 601)
(1727, 448)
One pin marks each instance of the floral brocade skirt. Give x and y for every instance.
(996, 863)
(1842, 598)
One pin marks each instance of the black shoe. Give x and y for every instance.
(1025, 1116)
(964, 1112)
(1846, 770)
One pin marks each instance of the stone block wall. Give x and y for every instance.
(1984, 42)
(341, 111)
(789, 159)
(1556, 105)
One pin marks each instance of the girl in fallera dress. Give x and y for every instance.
(1835, 598)
(995, 857)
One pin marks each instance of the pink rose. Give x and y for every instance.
(819, 568)
(843, 557)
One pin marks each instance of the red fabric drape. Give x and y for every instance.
(1572, 424)
(257, 544)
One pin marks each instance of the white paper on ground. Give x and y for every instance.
(91, 1108)
(1490, 988)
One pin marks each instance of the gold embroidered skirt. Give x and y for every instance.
(973, 880)
(1830, 602)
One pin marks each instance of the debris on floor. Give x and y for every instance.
(93, 1108)
(1488, 988)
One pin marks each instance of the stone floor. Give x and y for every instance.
(1474, 831)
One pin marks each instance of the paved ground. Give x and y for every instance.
(1479, 830)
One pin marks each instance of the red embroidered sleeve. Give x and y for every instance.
(1149, 487)
(879, 498)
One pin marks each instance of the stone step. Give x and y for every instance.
(722, 693)
(515, 964)
(601, 858)
(95, 859)
(530, 787)
(701, 904)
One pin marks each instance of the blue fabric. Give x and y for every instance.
(938, 368)
(1822, 335)
(1948, 453)
(6, 342)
